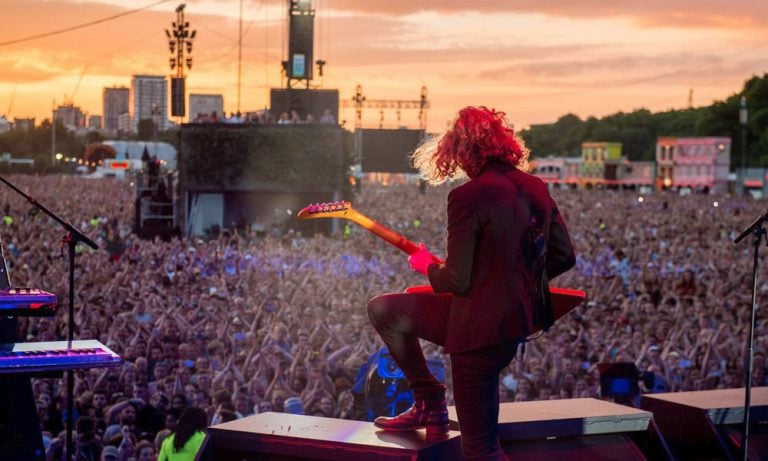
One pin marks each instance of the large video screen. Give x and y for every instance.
(389, 151)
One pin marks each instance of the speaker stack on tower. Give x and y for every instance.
(301, 40)
(178, 108)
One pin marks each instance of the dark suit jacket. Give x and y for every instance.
(506, 239)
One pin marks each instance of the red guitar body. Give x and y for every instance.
(564, 300)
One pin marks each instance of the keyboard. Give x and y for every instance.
(55, 355)
(28, 302)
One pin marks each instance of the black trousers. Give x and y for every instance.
(401, 319)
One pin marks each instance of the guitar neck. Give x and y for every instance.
(389, 235)
(343, 210)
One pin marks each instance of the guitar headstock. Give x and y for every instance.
(338, 209)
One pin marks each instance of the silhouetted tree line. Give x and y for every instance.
(36, 143)
(638, 130)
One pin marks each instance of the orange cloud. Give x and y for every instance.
(574, 71)
(649, 13)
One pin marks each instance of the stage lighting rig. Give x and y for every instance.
(180, 40)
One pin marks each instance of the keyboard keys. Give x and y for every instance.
(55, 355)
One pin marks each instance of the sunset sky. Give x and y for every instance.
(534, 59)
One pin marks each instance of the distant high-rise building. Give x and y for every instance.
(94, 121)
(5, 125)
(202, 105)
(149, 100)
(124, 122)
(115, 104)
(70, 116)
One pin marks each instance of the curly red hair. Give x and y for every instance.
(478, 136)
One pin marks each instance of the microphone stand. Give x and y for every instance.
(72, 238)
(758, 233)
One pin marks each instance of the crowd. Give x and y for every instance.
(247, 323)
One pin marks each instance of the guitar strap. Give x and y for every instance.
(537, 240)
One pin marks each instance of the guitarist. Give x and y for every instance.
(506, 239)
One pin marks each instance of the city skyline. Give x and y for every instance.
(534, 60)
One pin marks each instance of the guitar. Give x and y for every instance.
(564, 300)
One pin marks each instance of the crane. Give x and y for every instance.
(10, 104)
(71, 100)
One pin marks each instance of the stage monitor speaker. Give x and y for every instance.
(178, 108)
(706, 425)
(572, 429)
(281, 436)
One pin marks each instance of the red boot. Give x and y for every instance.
(428, 410)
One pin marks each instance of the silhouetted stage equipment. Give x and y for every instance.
(570, 429)
(280, 436)
(707, 424)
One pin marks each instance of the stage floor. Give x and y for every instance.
(586, 428)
